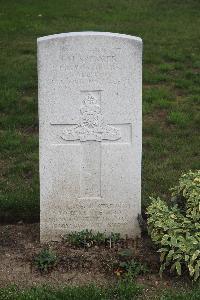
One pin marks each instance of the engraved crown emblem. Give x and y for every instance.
(91, 126)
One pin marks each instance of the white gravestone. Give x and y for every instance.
(90, 133)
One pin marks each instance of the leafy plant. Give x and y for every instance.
(45, 260)
(86, 238)
(176, 229)
(99, 238)
(128, 265)
(114, 237)
(133, 268)
(80, 239)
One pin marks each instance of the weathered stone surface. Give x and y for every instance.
(90, 133)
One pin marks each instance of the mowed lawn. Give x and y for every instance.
(171, 88)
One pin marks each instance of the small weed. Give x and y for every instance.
(45, 260)
(99, 238)
(114, 237)
(133, 268)
(129, 266)
(84, 238)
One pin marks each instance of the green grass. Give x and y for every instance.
(170, 31)
(124, 290)
(193, 294)
(179, 118)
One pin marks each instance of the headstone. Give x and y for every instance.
(90, 86)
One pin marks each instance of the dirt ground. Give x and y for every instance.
(19, 244)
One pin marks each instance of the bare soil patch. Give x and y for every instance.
(19, 244)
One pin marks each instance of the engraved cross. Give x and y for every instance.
(91, 131)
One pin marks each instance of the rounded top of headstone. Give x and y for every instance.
(89, 33)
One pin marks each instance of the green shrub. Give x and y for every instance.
(175, 229)
(45, 260)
